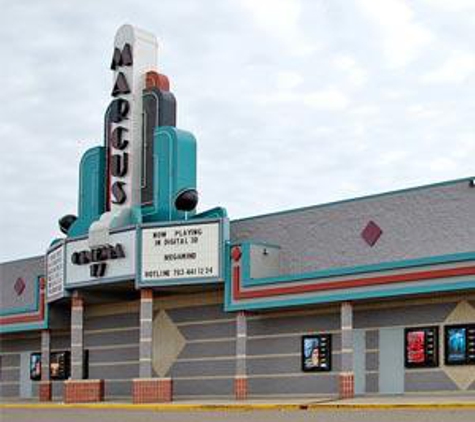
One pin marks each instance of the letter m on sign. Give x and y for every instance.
(122, 58)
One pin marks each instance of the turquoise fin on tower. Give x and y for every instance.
(174, 167)
(91, 201)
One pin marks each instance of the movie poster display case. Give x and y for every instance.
(316, 353)
(421, 347)
(460, 344)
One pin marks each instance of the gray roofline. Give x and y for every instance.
(361, 198)
(23, 259)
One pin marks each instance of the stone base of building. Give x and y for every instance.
(152, 390)
(45, 391)
(346, 385)
(240, 388)
(83, 391)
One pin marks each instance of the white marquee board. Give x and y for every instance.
(55, 273)
(184, 252)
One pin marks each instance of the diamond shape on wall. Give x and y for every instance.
(463, 376)
(371, 233)
(19, 286)
(168, 343)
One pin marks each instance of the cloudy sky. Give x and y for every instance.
(293, 102)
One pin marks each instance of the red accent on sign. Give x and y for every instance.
(348, 284)
(157, 80)
(371, 233)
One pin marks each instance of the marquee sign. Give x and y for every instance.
(55, 273)
(101, 264)
(97, 258)
(135, 53)
(190, 252)
(138, 193)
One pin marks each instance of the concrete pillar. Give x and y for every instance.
(346, 376)
(146, 317)
(147, 389)
(240, 381)
(45, 388)
(45, 354)
(77, 337)
(77, 389)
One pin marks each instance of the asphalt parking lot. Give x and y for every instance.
(338, 415)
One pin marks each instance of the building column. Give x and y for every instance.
(147, 389)
(77, 389)
(146, 317)
(346, 376)
(240, 381)
(45, 387)
(77, 337)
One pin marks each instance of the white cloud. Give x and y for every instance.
(442, 164)
(328, 99)
(281, 20)
(403, 38)
(288, 80)
(452, 5)
(356, 75)
(420, 111)
(459, 67)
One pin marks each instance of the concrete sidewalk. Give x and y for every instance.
(456, 401)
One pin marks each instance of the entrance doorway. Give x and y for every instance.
(26, 385)
(391, 361)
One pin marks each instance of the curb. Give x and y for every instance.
(176, 407)
(171, 407)
(393, 406)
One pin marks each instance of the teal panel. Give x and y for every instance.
(92, 180)
(217, 212)
(185, 177)
(361, 269)
(174, 172)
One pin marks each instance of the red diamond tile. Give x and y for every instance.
(19, 286)
(371, 233)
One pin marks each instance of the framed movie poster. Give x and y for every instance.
(35, 366)
(59, 365)
(316, 353)
(460, 344)
(421, 346)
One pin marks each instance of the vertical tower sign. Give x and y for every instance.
(135, 53)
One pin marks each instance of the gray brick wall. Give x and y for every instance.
(429, 221)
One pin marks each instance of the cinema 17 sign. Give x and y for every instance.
(183, 252)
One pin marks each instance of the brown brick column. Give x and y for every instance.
(346, 385)
(83, 391)
(45, 390)
(152, 390)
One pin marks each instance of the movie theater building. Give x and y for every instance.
(144, 298)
